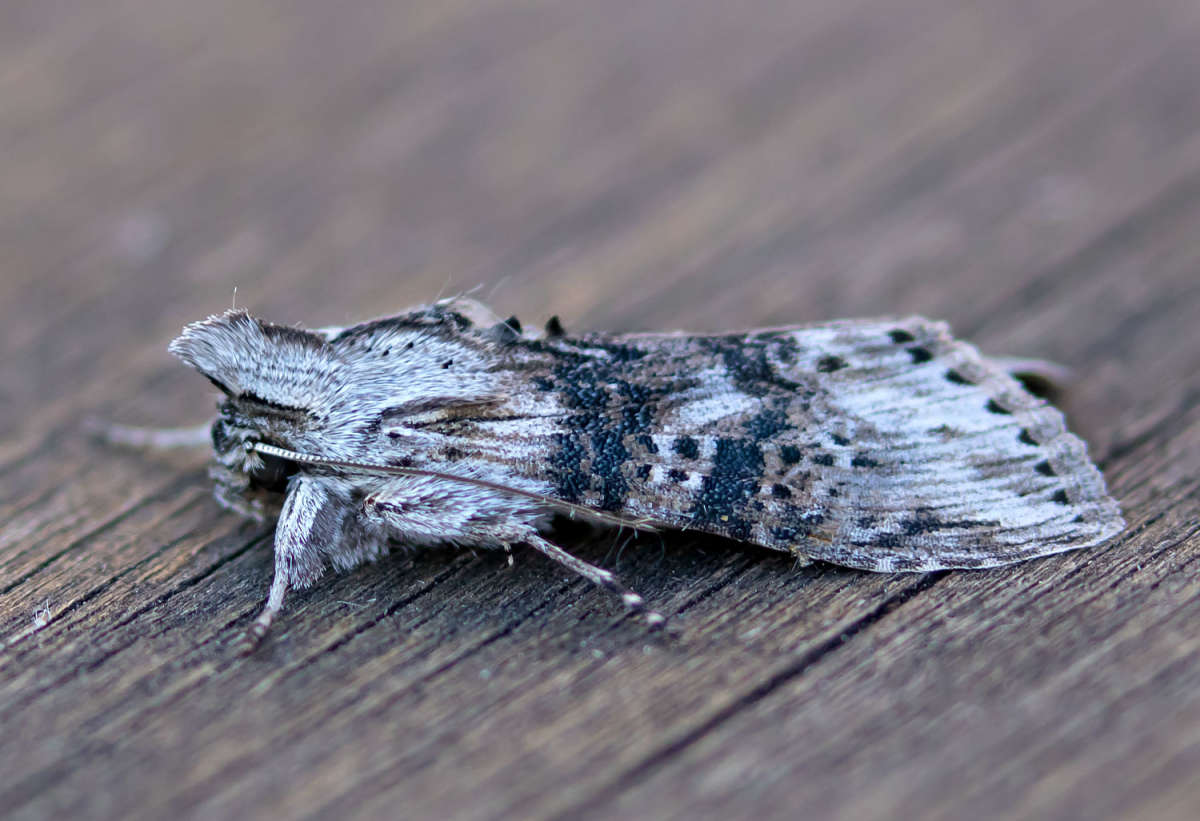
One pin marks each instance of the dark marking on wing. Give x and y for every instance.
(786, 535)
(745, 360)
(567, 462)
(830, 364)
(609, 413)
(736, 471)
(609, 455)
(919, 355)
(924, 521)
(767, 424)
(686, 447)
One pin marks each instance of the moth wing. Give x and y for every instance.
(952, 463)
(876, 444)
(918, 453)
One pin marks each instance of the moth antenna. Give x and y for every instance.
(150, 438)
(568, 508)
(601, 578)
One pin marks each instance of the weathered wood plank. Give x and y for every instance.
(1029, 171)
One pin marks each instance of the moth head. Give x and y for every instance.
(270, 376)
(250, 482)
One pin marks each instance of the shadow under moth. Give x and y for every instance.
(878, 444)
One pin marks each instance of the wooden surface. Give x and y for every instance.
(1029, 171)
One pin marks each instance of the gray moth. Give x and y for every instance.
(878, 444)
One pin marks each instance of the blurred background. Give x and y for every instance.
(1028, 170)
(627, 165)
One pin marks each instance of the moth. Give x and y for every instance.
(879, 444)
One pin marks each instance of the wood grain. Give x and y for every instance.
(1029, 171)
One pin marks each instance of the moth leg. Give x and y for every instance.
(309, 527)
(426, 511)
(255, 632)
(598, 576)
(199, 436)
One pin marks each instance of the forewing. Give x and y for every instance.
(879, 444)
(931, 456)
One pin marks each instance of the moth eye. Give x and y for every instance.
(274, 473)
(220, 436)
